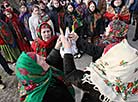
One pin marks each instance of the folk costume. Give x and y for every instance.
(110, 78)
(116, 32)
(40, 46)
(121, 13)
(93, 22)
(37, 85)
(81, 9)
(46, 18)
(57, 16)
(72, 19)
(8, 44)
(16, 28)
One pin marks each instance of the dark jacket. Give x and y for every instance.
(89, 48)
(134, 6)
(74, 76)
(57, 92)
(97, 22)
(56, 15)
(69, 19)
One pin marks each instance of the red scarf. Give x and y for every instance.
(15, 23)
(39, 46)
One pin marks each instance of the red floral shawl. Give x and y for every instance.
(124, 15)
(16, 24)
(6, 36)
(40, 46)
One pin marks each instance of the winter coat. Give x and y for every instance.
(59, 91)
(134, 6)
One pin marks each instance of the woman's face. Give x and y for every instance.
(56, 3)
(92, 7)
(41, 61)
(6, 5)
(42, 6)
(70, 8)
(23, 9)
(8, 14)
(36, 11)
(117, 3)
(42, 13)
(46, 34)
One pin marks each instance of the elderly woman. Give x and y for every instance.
(112, 77)
(40, 81)
(45, 41)
(115, 32)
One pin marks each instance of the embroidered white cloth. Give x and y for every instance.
(115, 74)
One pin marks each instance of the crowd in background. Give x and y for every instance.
(21, 29)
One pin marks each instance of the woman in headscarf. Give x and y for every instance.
(40, 81)
(56, 14)
(17, 29)
(6, 5)
(117, 10)
(72, 22)
(80, 7)
(45, 41)
(115, 32)
(71, 18)
(45, 18)
(8, 44)
(113, 77)
(93, 22)
(24, 20)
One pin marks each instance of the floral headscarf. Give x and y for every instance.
(43, 25)
(40, 46)
(118, 28)
(117, 32)
(33, 80)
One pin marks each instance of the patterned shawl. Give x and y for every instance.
(123, 15)
(6, 34)
(115, 74)
(34, 81)
(40, 46)
(117, 32)
(15, 24)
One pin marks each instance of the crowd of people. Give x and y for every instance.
(43, 37)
